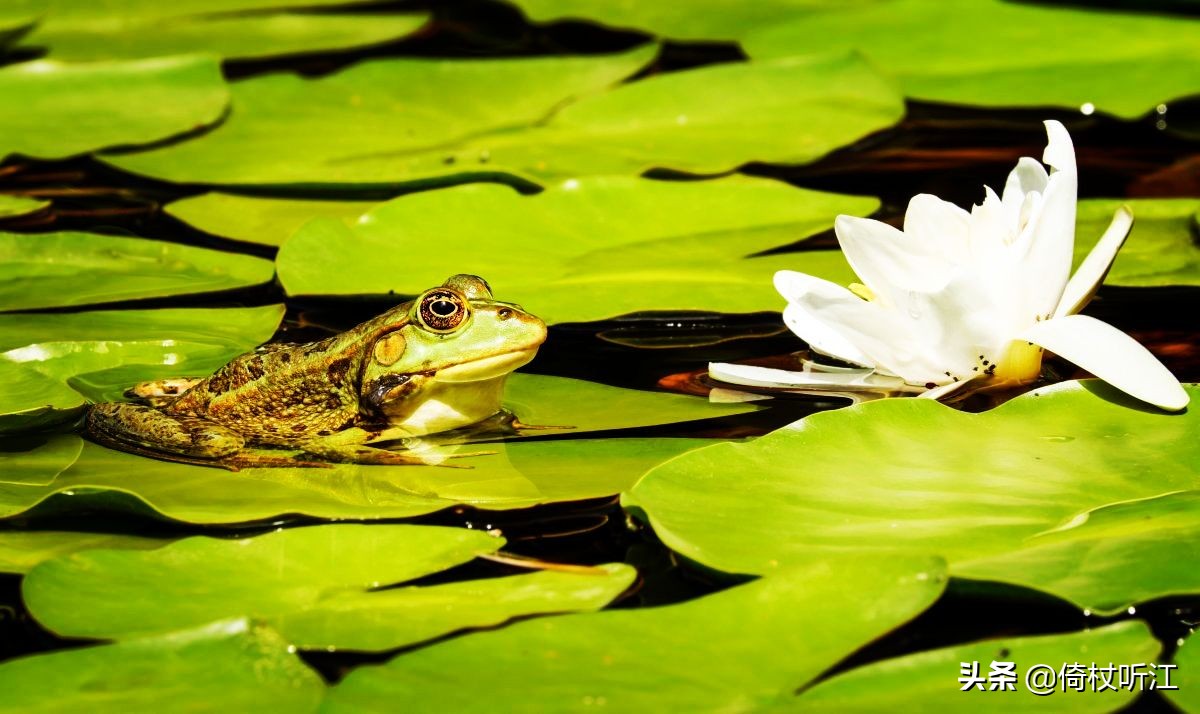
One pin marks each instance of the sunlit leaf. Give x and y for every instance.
(431, 122)
(1008, 494)
(233, 29)
(102, 353)
(21, 550)
(29, 399)
(1161, 249)
(604, 246)
(1187, 659)
(105, 593)
(928, 681)
(54, 453)
(520, 475)
(223, 667)
(995, 53)
(55, 110)
(318, 586)
(11, 206)
(269, 221)
(733, 651)
(62, 269)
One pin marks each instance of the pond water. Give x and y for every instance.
(946, 150)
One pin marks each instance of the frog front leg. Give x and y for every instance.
(353, 445)
(146, 431)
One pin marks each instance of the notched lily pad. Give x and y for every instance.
(70, 109)
(716, 653)
(20, 551)
(225, 666)
(1027, 493)
(606, 246)
(69, 268)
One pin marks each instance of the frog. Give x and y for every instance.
(434, 364)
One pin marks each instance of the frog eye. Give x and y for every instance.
(442, 310)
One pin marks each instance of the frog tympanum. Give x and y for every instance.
(430, 365)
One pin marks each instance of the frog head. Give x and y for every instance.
(445, 362)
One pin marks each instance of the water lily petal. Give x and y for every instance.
(1060, 151)
(809, 324)
(947, 389)
(885, 259)
(1047, 245)
(1090, 273)
(1028, 177)
(937, 228)
(1112, 356)
(752, 376)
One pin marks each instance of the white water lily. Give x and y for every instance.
(960, 298)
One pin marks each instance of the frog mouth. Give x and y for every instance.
(486, 367)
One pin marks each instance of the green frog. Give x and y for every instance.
(431, 365)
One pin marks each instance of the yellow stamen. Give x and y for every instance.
(862, 291)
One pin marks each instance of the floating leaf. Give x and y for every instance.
(913, 475)
(105, 593)
(716, 653)
(427, 122)
(1160, 249)
(995, 53)
(309, 583)
(927, 681)
(1187, 658)
(63, 269)
(12, 206)
(520, 475)
(102, 353)
(232, 29)
(694, 20)
(226, 666)
(267, 221)
(21, 550)
(54, 453)
(605, 246)
(64, 109)
(31, 400)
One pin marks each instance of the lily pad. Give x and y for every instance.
(102, 353)
(285, 571)
(20, 551)
(31, 400)
(69, 109)
(522, 474)
(68, 268)
(231, 29)
(225, 666)
(716, 653)
(54, 454)
(13, 206)
(266, 221)
(418, 123)
(1187, 658)
(978, 489)
(995, 53)
(605, 246)
(1160, 250)
(926, 681)
(299, 581)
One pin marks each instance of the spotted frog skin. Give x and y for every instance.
(430, 365)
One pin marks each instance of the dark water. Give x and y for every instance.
(945, 150)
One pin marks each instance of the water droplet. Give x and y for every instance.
(1132, 610)
(1161, 124)
(681, 119)
(1087, 109)
(570, 184)
(1161, 109)
(1087, 613)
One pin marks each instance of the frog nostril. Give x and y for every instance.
(504, 313)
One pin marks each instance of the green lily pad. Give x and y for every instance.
(1187, 658)
(231, 29)
(69, 109)
(225, 666)
(311, 584)
(1160, 249)
(721, 652)
(522, 474)
(13, 206)
(102, 353)
(31, 400)
(904, 475)
(694, 20)
(54, 454)
(928, 681)
(266, 221)
(605, 246)
(68, 268)
(428, 122)
(286, 571)
(21, 550)
(996, 53)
